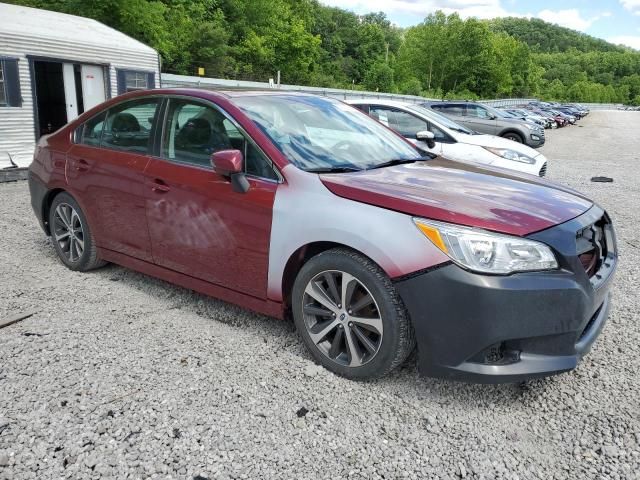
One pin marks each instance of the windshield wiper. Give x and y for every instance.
(337, 169)
(399, 161)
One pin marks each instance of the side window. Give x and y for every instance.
(128, 126)
(458, 110)
(256, 164)
(477, 112)
(408, 125)
(194, 131)
(91, 131)
(362, 107)
(236, 137)
(383, 115)
(439, 135)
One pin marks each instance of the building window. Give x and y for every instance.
(3, 96)
(135, 81)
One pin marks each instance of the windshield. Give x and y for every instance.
(441, 119)
(499, 113)
(317, 133)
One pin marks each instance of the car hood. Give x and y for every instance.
(465, 194)
(496, 142)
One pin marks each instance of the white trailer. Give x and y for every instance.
(55, 66)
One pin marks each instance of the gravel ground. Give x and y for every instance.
(118, 375)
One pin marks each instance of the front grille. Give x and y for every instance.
(591, 246)
(543, 170)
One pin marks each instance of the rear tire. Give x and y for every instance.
(350, 316)
(71, 235)
(513, 136)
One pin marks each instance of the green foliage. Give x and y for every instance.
(549, 38)
(379, 78)
(411, 86)
(313, 44)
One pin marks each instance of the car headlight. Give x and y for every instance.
(487, 252)
(511, 155)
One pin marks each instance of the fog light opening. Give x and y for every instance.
(497, 354)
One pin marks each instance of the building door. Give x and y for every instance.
(93, 89)
(64, 90)
(51, 105)
(70, 94)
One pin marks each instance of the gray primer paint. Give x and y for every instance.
(305, 211)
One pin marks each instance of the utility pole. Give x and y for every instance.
(386, 56)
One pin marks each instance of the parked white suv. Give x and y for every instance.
(451, 139)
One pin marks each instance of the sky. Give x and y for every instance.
(617, 21)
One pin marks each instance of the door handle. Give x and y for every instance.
(159, 186)
(82, 166)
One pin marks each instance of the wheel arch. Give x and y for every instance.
(301, 256)
(512, 130)
(47, 201)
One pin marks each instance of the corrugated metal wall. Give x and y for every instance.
(17, 131)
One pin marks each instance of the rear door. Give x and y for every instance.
(105, 166)
(198, 225)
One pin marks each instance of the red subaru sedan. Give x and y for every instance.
(293, 204)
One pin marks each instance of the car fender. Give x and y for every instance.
(305, 212)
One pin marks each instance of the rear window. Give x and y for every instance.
(128, 126)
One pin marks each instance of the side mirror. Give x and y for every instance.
(427, 137)
(230, 163)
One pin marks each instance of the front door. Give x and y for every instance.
(481, 120)
(198, 225)
(106, 164)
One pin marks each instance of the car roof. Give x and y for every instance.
(379, 101)
(215, 92)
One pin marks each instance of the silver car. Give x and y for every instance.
(485, 119)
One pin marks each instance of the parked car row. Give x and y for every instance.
(552, 115)
(296, 205)
(451, 139)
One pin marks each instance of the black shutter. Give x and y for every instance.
(12, 82)
(151, 80)
(122, 82)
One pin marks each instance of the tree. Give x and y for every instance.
(314, 44)
(379, 78)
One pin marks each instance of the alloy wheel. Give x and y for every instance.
(342, 318)
(68, 232)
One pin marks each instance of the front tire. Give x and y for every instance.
(71, 236)
(350, 316)
(516, 137)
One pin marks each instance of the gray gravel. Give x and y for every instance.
(118, 375)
